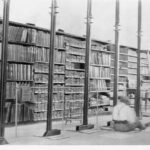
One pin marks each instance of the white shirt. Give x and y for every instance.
(122, 112)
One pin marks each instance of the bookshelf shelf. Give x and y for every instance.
(38, 72)
(97, 50)
(99, 65)
(61, 48)
(9, 80)
(42, 62)
(76, 46)
(75, 77)
(74, 92)
(78, 54)
(101, 91)
(59, 73)
(61, 64)
(76, 69)
(100, 78)
(74, 84)
(20, 62)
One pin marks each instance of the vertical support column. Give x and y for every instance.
(116, 64)
(3, 70)
(49, 131)
(138, 90)
(87, 63)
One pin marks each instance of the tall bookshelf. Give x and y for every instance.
(100, 76)
(74, 77)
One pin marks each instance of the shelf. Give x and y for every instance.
(59, 73)
(100, 78)
(132, 61)
(61, 64)
(76, 70)
(99, 65)
(20, 62)
(55, 82)
(98, 50)
(74, 92)
(13, 80)
(74, 84)
(21, 43)
(36, 72)
(60, 48)
(132, 56)
(78, 54)
(123, 54)
(76, 46)
(73, 101)
(124, 61)
(74, 77)
(100, 91)
(41, 82)
(42, 62)
(58, 101)
(76, 62)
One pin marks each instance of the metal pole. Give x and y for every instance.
(3, 69)
(116, 64)
(49, 131)
(138, 91)
(87, 63)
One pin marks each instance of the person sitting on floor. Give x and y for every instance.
(124, 117)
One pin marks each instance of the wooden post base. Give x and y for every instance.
(3, 141)
(52, 132)
(84, 127)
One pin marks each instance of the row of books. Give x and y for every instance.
(41, 106)
(99, 85)
(144, 60)
(132, 71)
(132, 52)
(59, 41)
(75, 58)
(123, 64)
(75, 51)
(100, 58)
(74, 42)
(132, 65)
(11, 88)
(58, 87)
(100, 47)
(59, 78)
(74, 89)
(74, 74)
(41, 54)
(145, 71)
(59, 69)
(21, 34)
(76, 81)
(58, 106)
(42, 38)
(99, 72)
(59, 56)
(124, 50)
(75, 104)
(20, 53)
(132, 59)
(40, 97)
(123, 71)
(123, 57)
(74, 97)
(24, 113)
(41, 68)
(70, 65)
(40, 78)
(19, 72)
(58, 97)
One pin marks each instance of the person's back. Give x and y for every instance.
(124, 117)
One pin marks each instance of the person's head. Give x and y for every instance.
(124, 100)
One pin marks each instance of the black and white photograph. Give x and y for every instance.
(74, 73)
